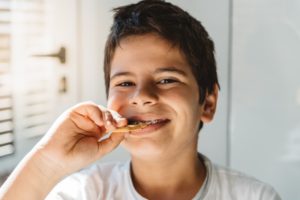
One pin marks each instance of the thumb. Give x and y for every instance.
(110, 143)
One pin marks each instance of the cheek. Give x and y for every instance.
(181, 101)
(186, 105)
(115, 100)
(185, 95)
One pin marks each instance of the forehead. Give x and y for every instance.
(146, 52)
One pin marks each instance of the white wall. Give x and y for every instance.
(96, 20)
(265, 126)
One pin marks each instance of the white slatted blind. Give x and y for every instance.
(27, 95)
(6, 106)
(34, 77)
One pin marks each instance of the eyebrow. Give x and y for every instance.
(157, 71)
(120, 74)
(170, 69)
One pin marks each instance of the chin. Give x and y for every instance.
(145, 150)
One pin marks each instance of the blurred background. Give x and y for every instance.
(51, 54)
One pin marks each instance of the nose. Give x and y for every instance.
(144, 96)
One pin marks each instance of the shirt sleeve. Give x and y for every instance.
(76, 187)
(67, 189)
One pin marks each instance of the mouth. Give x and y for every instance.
(146, 122)
(136, 126)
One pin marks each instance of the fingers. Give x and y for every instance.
(91, 111)
(90, 117)
(110, 143)
(76, 137)
(113, 120)
(97, 121)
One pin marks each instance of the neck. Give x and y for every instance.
(178, 175)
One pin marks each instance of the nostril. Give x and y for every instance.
(147, 102)
(143, 97)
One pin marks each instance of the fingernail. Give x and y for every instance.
(121, 119)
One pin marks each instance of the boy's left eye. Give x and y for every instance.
(166, 81)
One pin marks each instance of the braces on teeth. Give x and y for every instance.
(135, 125)
(147, 122)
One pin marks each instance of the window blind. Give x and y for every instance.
(36, 80)
(26, 83)
(6, 106)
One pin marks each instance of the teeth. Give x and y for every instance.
(155, 121)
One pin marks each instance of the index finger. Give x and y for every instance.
(92, 111)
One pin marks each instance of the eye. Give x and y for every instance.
(167, 81)
(125, 84)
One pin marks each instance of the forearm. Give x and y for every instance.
(32, 179)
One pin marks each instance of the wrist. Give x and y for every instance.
(33, 178)
(46, 167)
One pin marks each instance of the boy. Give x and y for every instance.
(160, 72)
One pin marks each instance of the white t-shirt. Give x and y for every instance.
(112, 181)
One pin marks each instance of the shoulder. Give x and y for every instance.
(98, 173)
(231, 184)
(90, 182)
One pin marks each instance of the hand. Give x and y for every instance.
(73, 142)
(76, 138)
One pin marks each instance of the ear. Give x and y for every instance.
(209, 106)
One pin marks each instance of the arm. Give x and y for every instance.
(71, 144)
(32, 179)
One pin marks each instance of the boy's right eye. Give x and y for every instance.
(125, 84)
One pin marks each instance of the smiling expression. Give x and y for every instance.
(151, 81)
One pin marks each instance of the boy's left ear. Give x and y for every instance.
(208, 108)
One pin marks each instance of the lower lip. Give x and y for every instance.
(148, 129)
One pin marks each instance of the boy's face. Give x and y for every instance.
(151, 81)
